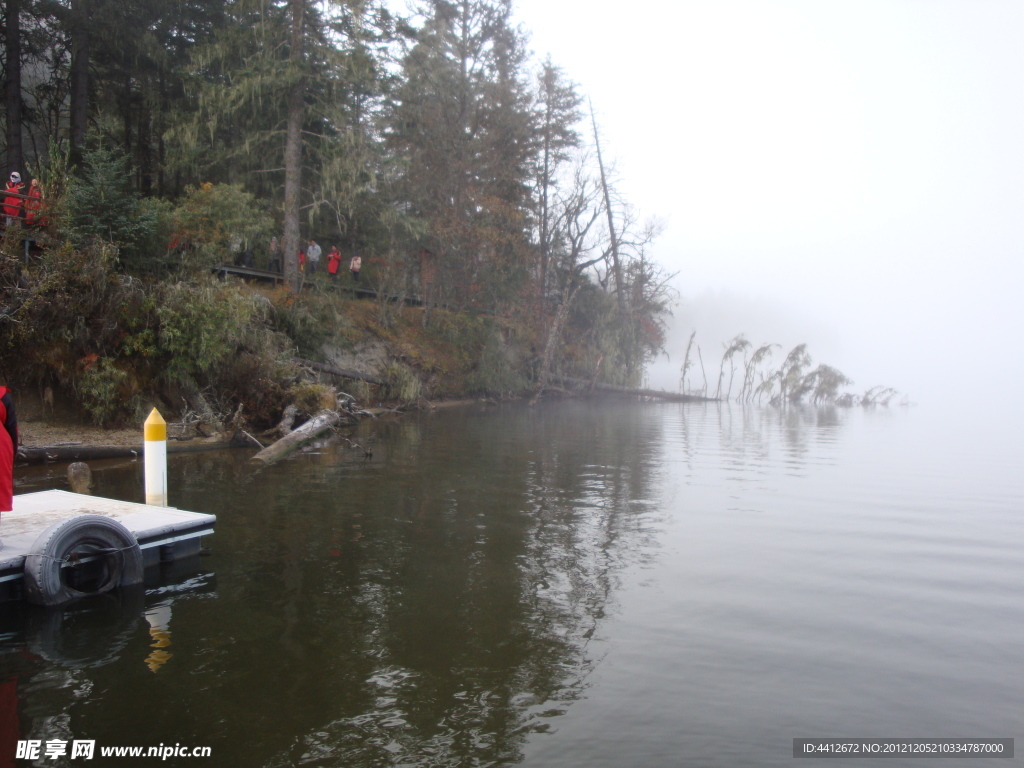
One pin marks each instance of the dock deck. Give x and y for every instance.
(164, 533)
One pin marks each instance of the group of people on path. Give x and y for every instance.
(309, 260)
(18, 206)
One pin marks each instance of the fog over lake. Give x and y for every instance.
(846, 174)
(584, 582)
(609, 582)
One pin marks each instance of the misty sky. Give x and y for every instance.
(849, 174)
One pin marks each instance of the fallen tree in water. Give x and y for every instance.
(298, 437)
(655, 393)
(50, 454)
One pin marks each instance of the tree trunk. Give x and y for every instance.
(145, 145)
(686, 363)
(299, 437)
(127, 119)
(287, 419)
(79, 77)
(655, 393)
(554, 333)
(12, 96)
(345, 373)
(293, 147)
(611, 224)
(544, 186)
(160, 135)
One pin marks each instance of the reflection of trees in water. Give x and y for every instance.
(432, 606)
(54, 660)
(483, 573)
(800, 426)
(747, 436)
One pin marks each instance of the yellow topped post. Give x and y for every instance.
(155, 451)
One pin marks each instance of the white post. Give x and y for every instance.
(156, 459)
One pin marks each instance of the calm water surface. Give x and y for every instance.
(569, 585)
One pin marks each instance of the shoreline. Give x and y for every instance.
(45, 442)
(54, 442)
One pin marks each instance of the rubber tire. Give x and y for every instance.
(43, 585)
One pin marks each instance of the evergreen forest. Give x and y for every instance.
(173, 136)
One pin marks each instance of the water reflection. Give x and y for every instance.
(51, 659)
(432, 606)
(472, 568)
(449, 601)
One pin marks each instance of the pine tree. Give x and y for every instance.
(558, 107)
(283, 94)
(462, 123)
(12, 94)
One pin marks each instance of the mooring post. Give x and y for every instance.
(155, 450)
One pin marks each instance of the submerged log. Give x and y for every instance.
(62, 453)
(67, 453)
(321, 422)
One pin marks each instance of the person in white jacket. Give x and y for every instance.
(313, 256)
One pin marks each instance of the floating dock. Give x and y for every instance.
(164, 534)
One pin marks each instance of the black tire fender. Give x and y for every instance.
(95, 536)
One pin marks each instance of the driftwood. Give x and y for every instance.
(62, 453)
(287, 419)
(321, 422)
(343, 372)
(250, 437)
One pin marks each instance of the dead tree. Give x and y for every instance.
(578, 212)
(686, 363)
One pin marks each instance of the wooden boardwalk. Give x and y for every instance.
(358, 292)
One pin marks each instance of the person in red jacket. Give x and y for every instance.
(34, 206)
(12, 205)
(8, 447)
(333, 260)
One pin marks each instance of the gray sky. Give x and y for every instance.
(845, 173)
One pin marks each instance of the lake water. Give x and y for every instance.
(574, 584)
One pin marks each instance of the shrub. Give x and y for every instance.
(401, 383)
(307, 323)
(310, 397)
(101, 205)
(213, 222)
(498, 371)
(104, 388)
(203, 324)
